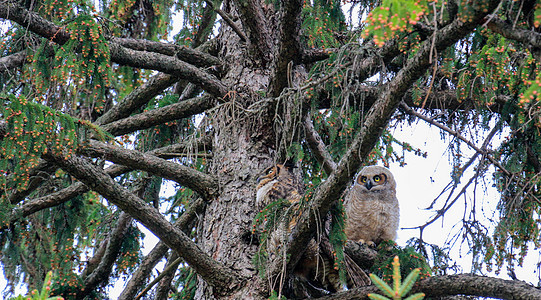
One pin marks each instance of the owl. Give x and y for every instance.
(372, 207)
(278, 182)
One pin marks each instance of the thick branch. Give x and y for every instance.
(137, 98)
(169, 65)
(119, 54)
(462, 284)
(151, 260)
(189, 55)
(12, 61)
(201, 183)
(161, 115)
(33, 22)
(253, 20)
(112, 250)
(217, 275)
(79, 188)
(508, 31)
(288, 49)
(375, 122)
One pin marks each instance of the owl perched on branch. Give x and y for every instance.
(279, 182)
(315, 271)
(372, 207)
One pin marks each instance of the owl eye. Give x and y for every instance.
(363, 179)
(377, 178)
(270, 171)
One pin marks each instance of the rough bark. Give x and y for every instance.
(16, 60)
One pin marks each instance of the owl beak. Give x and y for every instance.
(368, 184)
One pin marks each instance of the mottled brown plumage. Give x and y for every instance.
(315, 268)
(278, 182)
(372, 207)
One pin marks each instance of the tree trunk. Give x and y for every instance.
(225, 229)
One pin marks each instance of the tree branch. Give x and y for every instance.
(201, 183)
(508, 31)
(78, 188)
(375, 122)
(119, 54)
(151, 260)
(213, 272)
(15, 60)
(161, 115)
(449, 285)
(318, 148)
(112, 250)
(33, 22)
(169, 65)
(482, 151)
(225, 16)
(289, 48)
(137, 98)
(189, 55)
(253, 20)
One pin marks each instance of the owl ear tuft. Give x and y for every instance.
(289, 163)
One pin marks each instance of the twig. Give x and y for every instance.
(225, 16)
(171, 268)
(412, 112)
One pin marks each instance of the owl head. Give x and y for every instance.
(375, 179)
(273, 172)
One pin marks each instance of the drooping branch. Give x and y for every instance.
(41, 173)
(214, 273)
(288, 49)
(450, 285)
(161, 115)
(253, 21)
(374, 124)
(111, 253)
(201, 183)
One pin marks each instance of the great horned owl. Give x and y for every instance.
(279, 182)
(372, 207)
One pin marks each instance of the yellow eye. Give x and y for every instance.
(377, 178)
(363, 179)
(270, 171)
